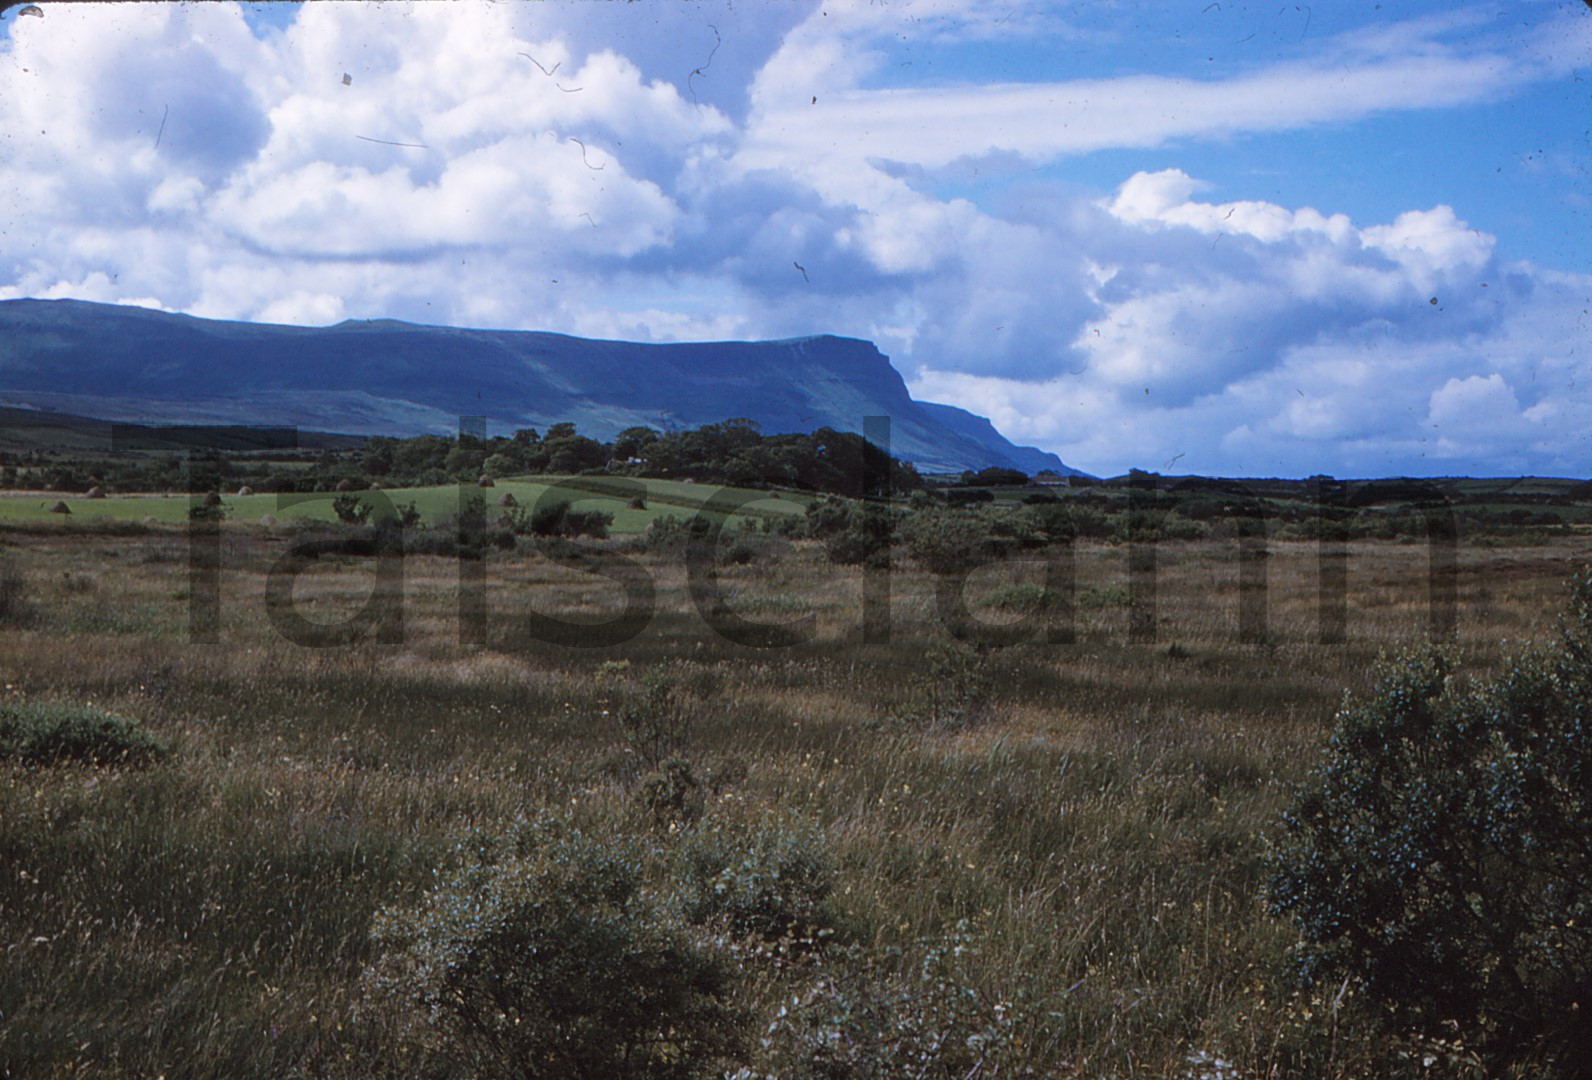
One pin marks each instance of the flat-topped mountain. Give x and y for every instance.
(394, 378)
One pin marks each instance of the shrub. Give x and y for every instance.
(955, 690)
(967, 496)
(654, 721)
(854, 547)
(666, 535)
(54, 733)
(385, 537)
(866, 536)
(472, 533)
(350, 509)
(405, 517)
(747, 548)
(672, 794)
(557, 519)
(1440, 856)
(542, 957)
(948, 542)
(957, 541)
(771, 882)
(824, 518)
(1178, 528)
(886, 1014)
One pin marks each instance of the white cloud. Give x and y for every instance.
(662, 172)
(1431, 245)
(810, 104)
(1247, 337)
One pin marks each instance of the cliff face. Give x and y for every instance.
(393, 378)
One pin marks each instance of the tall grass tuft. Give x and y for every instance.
(16, 609)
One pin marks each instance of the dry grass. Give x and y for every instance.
(1101, 825)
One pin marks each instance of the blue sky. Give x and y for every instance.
(1195, 236)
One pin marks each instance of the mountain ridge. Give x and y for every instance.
(391, 377)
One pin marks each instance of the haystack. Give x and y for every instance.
(245, 490)
(485, 481)
(95, 492)
(375, 486)
(508, 499)
(60, 508)
(346, 484)
(213, 499)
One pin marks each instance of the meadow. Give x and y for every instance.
(434, 502)
(1050, 856)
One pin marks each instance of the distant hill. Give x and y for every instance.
(394, 378)
(40, 429)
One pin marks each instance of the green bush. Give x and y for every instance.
(1441, 856)
(666, 535)
(671, 793)
(885, 1013)
(772, 881)
(957, 541)
(351, 509)
(542, 957)
(57, 732)
(655, 720)
(866, 537)
(854, 533)
(360, 541)
(557, 519)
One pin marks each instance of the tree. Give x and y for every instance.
(378, 458)
(574, 453)
(633, 442)
(466, 457)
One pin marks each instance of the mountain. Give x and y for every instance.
(981, 431)
(393, 378)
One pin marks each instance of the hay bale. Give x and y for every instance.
(213, 498)
(95, 492)
(245, 490)
(346, 484)
(508, 499)
(486, 481)
(374, 486)
(60, 508)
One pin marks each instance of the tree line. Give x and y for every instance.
(734, 452)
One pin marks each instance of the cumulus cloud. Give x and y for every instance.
(1248, 337)
(708, 170)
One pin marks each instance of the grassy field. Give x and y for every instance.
(662, 497)
(1095, 816)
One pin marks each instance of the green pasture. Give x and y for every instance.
(612, 495)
